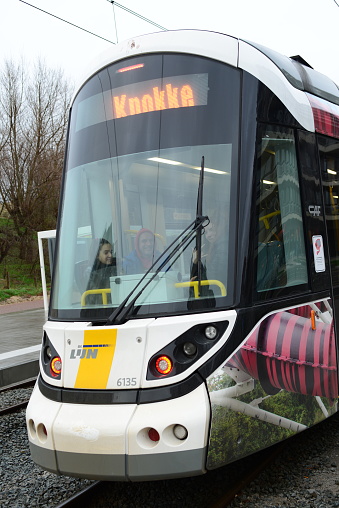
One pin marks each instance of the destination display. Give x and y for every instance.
(144, 97)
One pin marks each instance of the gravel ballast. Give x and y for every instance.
(304, 474)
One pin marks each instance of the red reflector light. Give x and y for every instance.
(164, 365)
(131, 68)
(153, 435)
(56, 365)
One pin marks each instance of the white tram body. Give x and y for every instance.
(157, 375)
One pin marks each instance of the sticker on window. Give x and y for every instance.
(318, 253)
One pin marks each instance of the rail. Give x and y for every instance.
(191, 283)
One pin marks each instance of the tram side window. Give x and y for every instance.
(329, 160)
(281, 259)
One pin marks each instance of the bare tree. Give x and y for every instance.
(33, 122)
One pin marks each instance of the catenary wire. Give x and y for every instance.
(92, 33)
(65, 21)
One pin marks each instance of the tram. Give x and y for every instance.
(194, 303)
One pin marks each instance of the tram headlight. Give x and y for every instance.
(50, 358)
(163, 364)
(211, 332)
(180, 432)
(185, 350)
(55, 366)
(189, 349)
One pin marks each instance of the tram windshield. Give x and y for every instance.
(139, 131)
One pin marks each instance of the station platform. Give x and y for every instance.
(20, 340)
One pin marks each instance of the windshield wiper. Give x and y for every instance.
(199, 214)
(123, 309)
(121, 313)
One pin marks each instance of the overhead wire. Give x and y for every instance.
(65, 21)
(336, 3)
(130, 11)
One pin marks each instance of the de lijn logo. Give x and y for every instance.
(88, 351)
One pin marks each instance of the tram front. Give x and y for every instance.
(144, 270)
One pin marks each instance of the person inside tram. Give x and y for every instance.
(143, 255)
(104, 267)
(214, 251)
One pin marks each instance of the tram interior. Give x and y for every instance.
(115, 198)
(281, 259)
(329, 158)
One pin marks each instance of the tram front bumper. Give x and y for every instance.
(111, 442)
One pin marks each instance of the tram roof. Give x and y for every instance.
(301, 75)
(266, 64)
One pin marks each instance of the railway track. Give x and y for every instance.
(81, 498)
(15, 407)
(22, 384)
(100, 493)
(19, 405)
(268, 458)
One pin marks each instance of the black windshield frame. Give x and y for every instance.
(215, 123)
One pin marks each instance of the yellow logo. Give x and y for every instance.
(96, 358)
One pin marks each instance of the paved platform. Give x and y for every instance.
(20, 339)
(21, 306)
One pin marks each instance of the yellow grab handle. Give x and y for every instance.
(102, 292)
(195, 285)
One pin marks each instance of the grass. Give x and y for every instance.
(24, 292)
(19, 279)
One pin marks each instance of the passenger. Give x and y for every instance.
(214, 252)
(144, 254)
(104, 267)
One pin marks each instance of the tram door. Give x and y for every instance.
(329, 160)
(50, 237)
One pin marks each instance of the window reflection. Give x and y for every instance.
(281, 260)
(329, 159)
(122, 213)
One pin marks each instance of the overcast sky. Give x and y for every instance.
(305, 27)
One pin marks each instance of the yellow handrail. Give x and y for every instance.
(195, 285)
(102, 292)
(268, 216)
(190, 283)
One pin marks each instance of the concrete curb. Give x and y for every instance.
(11, 375)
